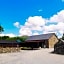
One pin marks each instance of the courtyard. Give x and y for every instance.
(39, 56)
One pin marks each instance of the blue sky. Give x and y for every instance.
(17, 11)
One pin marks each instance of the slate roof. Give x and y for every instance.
(40, 37)
(62, 40)
(8, 41)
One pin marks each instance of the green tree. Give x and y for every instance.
(23, 38)
(5, 37)
(1, 29)
(12, 38)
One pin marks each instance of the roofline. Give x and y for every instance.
(52, 35)
(8, 41)
(43, 34)
(35, 40)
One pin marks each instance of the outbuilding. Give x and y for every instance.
(9, 46)
(43, 40)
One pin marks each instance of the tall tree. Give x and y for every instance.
(1, 29)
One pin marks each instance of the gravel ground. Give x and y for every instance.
(42, 56)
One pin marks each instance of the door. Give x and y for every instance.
(42, 44)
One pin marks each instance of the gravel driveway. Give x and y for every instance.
(42, 56)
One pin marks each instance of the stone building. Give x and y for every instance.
(43, 40)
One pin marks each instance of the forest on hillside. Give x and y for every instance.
(22, 38)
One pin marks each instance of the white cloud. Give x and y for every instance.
(32, 23)
(35, 20)
(38, 23)
(35, 33)
(1, 34)
(17, 24)
(59, 17)
(49, 28)
(10, 35)
(37, 28)
(25, 31)
(35, 23)
(58, 28)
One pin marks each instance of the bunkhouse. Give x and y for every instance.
(9, 45)
(43, 40)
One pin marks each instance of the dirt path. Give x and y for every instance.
(42, 56)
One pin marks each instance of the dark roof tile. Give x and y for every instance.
(40, 37)
(8, 41)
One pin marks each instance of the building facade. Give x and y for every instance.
(44, 40)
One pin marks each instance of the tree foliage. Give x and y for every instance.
(22, 38)
(3, 37)
(1, 29)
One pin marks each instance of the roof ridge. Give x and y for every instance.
(42, 34)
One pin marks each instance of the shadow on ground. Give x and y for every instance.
(52, 52)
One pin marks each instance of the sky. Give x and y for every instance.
(32, 17)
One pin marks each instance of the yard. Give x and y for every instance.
(42, 56)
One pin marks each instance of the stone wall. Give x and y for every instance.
(9, 49)
(52, 41)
